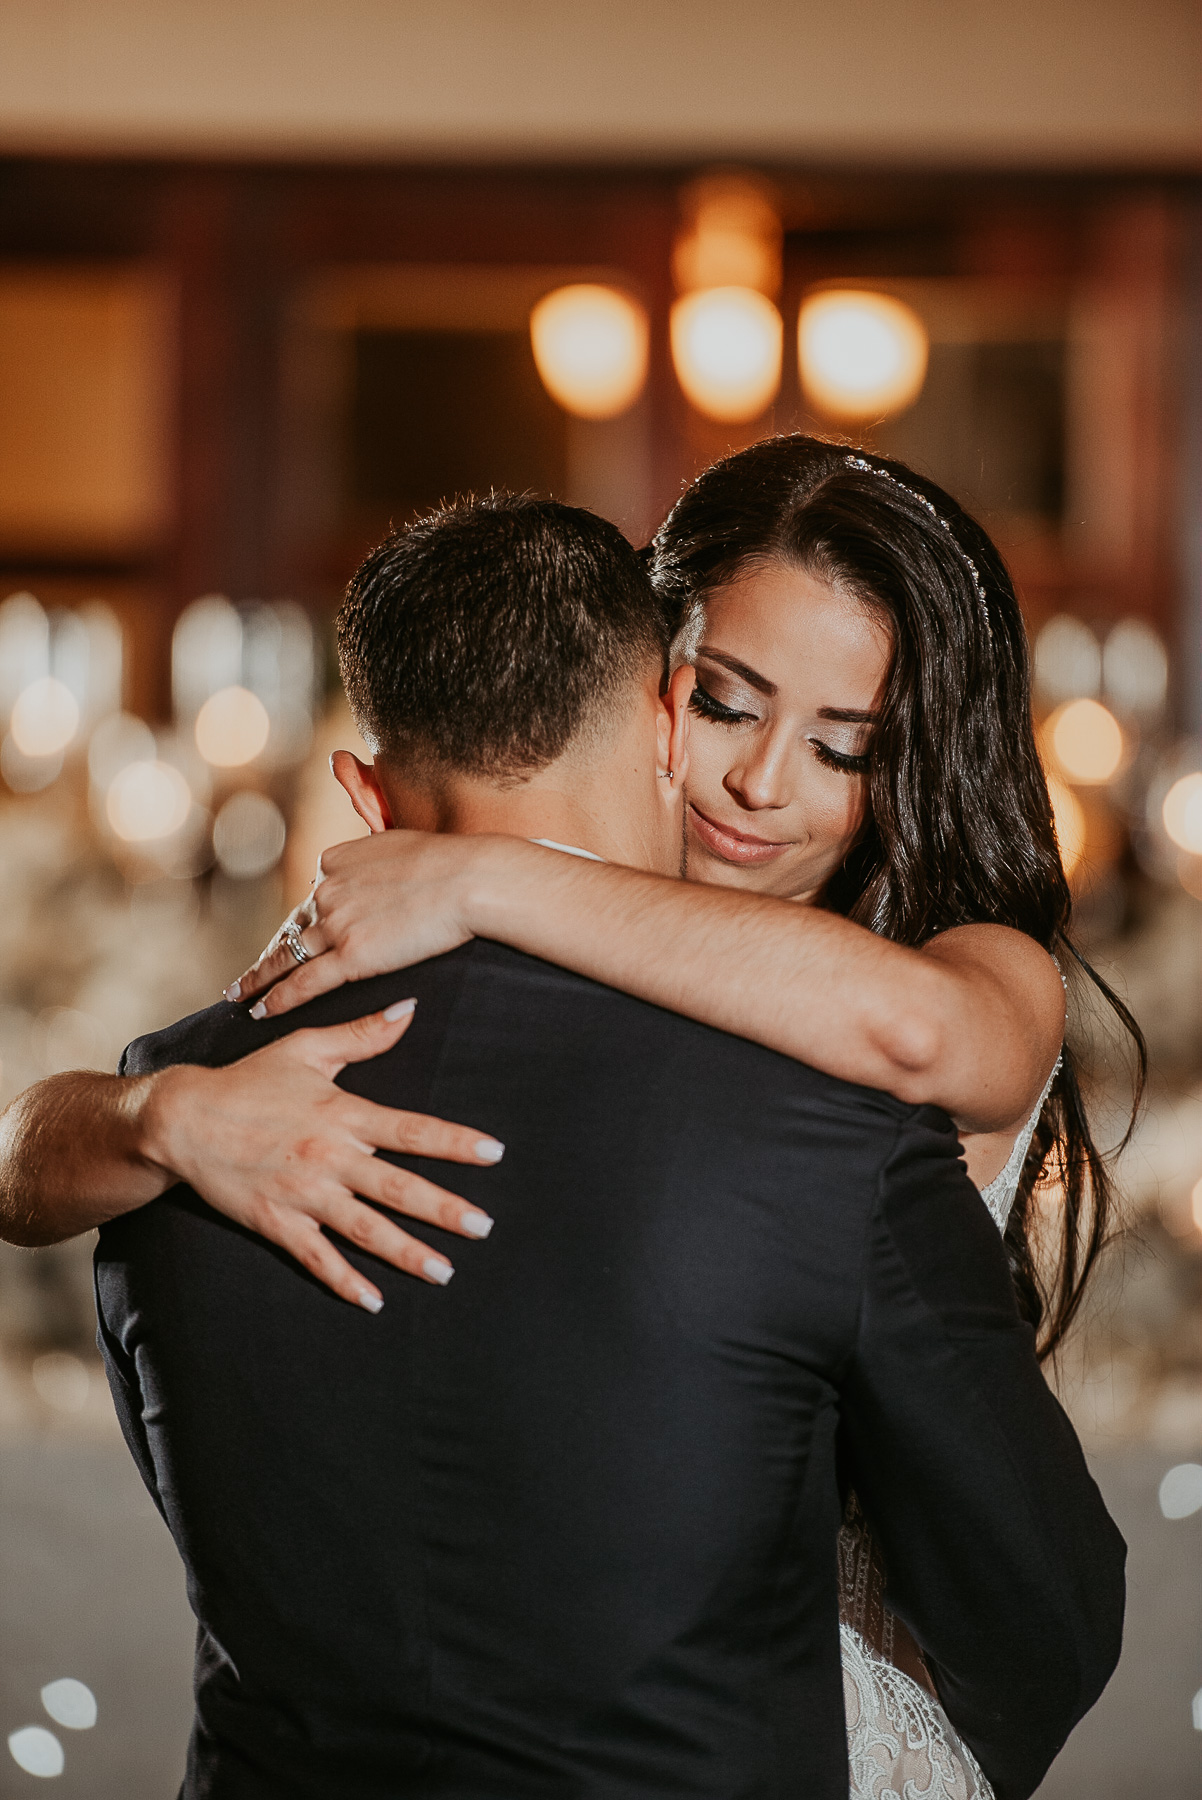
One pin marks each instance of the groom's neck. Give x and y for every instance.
(602, 803)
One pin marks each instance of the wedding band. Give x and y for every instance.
(291, 935)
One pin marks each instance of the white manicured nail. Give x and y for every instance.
(400, 1009)
(233, 991)
(489, 1150)
(259, 1010)
(437, 1271)
(476, 1224)
(370, 1302)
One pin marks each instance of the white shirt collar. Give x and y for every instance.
(568, 849)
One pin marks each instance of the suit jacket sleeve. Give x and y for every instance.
(1001, 1556)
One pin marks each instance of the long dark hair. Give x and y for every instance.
(958, 827)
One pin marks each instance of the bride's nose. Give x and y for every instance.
(762, 779)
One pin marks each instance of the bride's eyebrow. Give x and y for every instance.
(760, 682)
(848, 715)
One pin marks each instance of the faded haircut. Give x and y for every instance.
(485, 637)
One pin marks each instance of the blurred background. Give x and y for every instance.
(273, 276)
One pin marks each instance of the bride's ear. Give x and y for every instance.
(366, 795)
(674, 724)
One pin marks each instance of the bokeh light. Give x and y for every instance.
(1182, 813)
(1068, 660)
(232, 728)
(24, 646)
(206, 653)
(148, 801)
(1135, 668)
(1068, 815)
(1181, 1491)
(1086, 741)
(37, 1751)
(590, 348)
(862, 355)
(45, 718)
(116, 742)
(732, 235)
(27, 774)
(70, 1703)
(726, 349)
(248, 835)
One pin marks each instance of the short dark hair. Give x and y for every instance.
(485, 636)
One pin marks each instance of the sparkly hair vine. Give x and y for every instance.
(860, 462)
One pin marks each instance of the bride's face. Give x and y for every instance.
(790, 675)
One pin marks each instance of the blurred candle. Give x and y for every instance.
(232, 728)
(1086, 741)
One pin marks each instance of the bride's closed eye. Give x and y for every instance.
(704, 704)
(839, 759)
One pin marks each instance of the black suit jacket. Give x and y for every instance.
(567, 1527)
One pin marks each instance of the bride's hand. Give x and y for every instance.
(379, 903)
(274, 1144)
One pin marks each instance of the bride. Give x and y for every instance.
(874, 888)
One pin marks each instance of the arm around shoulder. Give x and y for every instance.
(73, 1153)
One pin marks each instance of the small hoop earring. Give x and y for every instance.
(667, 774)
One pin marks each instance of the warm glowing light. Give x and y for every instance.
(726, 347)
(862, 355)
(1086, 741)
(1068, 815)
(148, 800)
(732, 235)
(232, 728)
(1182, 813)
(45, 718)
(590, 348)
(116, 741)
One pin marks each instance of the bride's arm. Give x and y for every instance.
(971, 1023)
(270, 1141)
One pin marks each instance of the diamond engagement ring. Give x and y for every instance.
(291, 935)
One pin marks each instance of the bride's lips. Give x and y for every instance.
(733, 846)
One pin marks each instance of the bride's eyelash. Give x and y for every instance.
(838, 759)
(704, 703)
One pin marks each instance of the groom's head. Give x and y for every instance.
(504, 659)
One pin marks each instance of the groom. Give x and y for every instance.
(567, 1527)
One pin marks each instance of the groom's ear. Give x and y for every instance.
(361, 783)
(673, 724)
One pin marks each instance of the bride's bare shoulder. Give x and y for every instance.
(1019, 969)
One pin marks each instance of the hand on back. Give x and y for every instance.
(274, 1144)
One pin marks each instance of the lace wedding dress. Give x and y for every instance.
(901, 1744)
